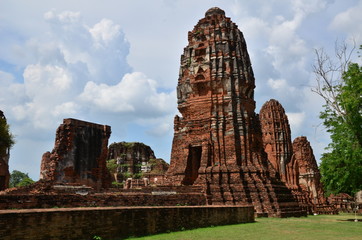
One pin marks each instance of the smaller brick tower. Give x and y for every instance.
(276, 135)
(79, 155)
(303, 165)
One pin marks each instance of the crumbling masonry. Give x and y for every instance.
(79, 155)
(217, 141)
(4, 161)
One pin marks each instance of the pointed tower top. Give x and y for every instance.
(213, 11)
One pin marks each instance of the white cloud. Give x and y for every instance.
(135, 93)
(72, 62)
(296, 121)
(281, 86)
(277, 84)
(161, 129)
(67, 108)
(6, 78)
(105, 32)
(349, 22)
(44, 79)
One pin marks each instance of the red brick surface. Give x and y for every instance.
(79, 155)
(114, 223)
(217, 140)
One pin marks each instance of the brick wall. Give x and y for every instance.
(135, 198)
(114, 222)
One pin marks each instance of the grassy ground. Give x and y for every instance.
(311, 227)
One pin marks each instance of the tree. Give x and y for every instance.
(340, 85)
(6, 138)
(20, 179)
(112, 167)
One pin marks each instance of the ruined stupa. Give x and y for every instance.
(79, 155)
(276, 135)
(294, 163)
(303, 171)
(217, 141)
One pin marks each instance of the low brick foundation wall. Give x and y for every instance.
(114, 222)
(73, 196)
(100, 200)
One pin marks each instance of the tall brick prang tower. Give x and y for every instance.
(217, 141)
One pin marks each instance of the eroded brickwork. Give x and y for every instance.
(342, 202)
(217, 140)
(79, 155)
(276, 135)
(295, 163)
(115, 222)
(304, 176)
(137, 161)
(4, 161)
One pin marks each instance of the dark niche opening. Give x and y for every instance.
(199, 77)
(202, 89)
(193, 165)
(200, 52)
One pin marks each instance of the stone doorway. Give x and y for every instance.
(193, 165)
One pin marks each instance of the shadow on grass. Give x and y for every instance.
(350, 220)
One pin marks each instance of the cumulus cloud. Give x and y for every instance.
(73, 70)
(349, 22)
(73, 62)
(277, 84)
(296, 122)
(280, 55)
(135, 94)
(6, 78)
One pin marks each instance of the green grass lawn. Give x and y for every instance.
(311, 227)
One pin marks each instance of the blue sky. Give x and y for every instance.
(116, 63)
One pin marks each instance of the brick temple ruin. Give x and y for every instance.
(136, 163)
(276, 136)
(218, 141)
(294, 162)
(223, 153)
(79, 155)
(4, 161)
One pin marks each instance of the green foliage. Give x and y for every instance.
(126, 175)
(152, 161)
(138, 175)
(6, 138)
(158, 166)
(25, 182)
(19, 179)
(341, 166)
(112, 166)
(117, 185)
(129, 144)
